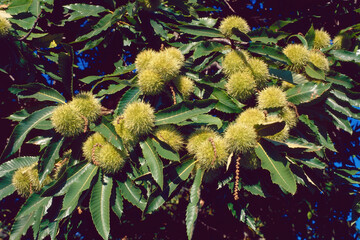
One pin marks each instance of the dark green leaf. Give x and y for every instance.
(23, 128)
(287, 76)
(266, 35)
(66, 70)
(206, 47)
(306, 93)
(341, 121)
(312, 163)
(268, 51)
(165, 151)
(117, 203)
(310, 123)
(281, 23)
(241, 214)
(175, 176)
(254, 189)
(21, 225)
(278, 166)
(32, 204)
(51, 153)
(183, 111)
(103, 24)
(269, 129)
(310, 36)
(130, 96)
(293, 142)
(314, 72)
(113, 88)
(153, 161)
(225, 101)
(61, 186)
(38, 91)
(200, 31)
(159, 29)
(193, 206)
(338, 106)
(90, 79)
(340, 79)
(107, 130)
(132, 193)
(100, 205)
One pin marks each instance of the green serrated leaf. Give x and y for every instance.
(293, 142)
(254, 189)
(314, 72)
(112, 89)
(159, 29)
(312, 163)
(266, 35)
(117, 203)
(103, 24)
(183, 111)
(306, 93)
(107, 130)
(130, 96)
(23, 128)
(206, 47)
(310, 36)
(132, 193)
(173, 178)
(200, 31)
(341, 120)
(165, 151)
(269, 51)
(6, 186)
(61, 186)
(32, 204)
(80, 184)
(310, 123)
(21, 225)
(278, 166)
(340, 79)
(345, 56)
(192, 209)
(100, 205)
(18, 6)
(83, 10)
(51, 153)
(153, 161)
(17, 163)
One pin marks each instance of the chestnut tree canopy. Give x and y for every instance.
(127, 109)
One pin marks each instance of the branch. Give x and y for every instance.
(33, 27)
(229, 6)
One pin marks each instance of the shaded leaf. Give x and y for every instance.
(107, 130)
(345, 56)
(165, 151)
(117, 203)
(312, 163)
(268, 51)
(269, 129)
(103, 24)
(21, 225)
(23, 128)
(314, 72)
(200, 31)
(174, 177)
(65, 61)
(339, 79)
(32, 204)
(132, 193)
(51, 153)
(278, 167)
(71, 175)
(193, 206)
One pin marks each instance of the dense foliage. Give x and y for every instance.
(186, 109)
